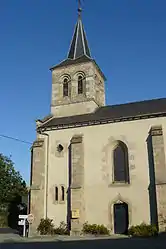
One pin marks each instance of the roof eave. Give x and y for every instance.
(75, 63)
(90, 60)
(104, 121)
(58, 65)
(100, 71)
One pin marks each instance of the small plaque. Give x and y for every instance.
(21, 222)
(75, 214)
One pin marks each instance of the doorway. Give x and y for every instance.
(121, 218)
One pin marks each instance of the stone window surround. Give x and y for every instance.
(63, 77)
(60, 153)
(74, 78)
(118, 183)
(62, 188)
(56, 189)
(59, 201)
(77, 75)
(65, 88)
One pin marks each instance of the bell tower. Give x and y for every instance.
(77, 82)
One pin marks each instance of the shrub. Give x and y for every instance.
(3, 220)
(45, 227)
(62, 229)
(95, 229)
(143, 230)
(3, 217)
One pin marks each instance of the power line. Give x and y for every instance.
(15, 139)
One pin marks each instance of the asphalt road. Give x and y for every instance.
(8, 231)
(125, 243)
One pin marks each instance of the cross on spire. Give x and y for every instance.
(79, 7)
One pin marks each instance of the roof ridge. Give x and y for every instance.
(134, 102)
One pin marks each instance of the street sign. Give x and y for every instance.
(30, 218)
(21, 216)
(21, 222)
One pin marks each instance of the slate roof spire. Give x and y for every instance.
(79, 45)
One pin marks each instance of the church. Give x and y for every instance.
(96, 163)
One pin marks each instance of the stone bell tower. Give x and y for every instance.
(77, 82)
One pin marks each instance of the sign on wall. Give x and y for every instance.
(75, 213)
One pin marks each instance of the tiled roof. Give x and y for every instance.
(112, 113)
(69, 62)
(82, 59)
(79, 45)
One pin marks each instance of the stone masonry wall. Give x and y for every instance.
(160, 174)
(77, 184)
(37, 183)
(93, 96)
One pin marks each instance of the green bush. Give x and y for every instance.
(61, 230)
(45, 227)
(3, 217)
(3, 220)
(143, 230)
(95, 229)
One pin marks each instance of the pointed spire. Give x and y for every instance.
(79, 45)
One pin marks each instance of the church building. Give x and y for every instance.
(97, 163)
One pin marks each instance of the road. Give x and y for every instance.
(120, 243)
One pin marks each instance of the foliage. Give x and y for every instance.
(12, 188)
(162, 220)
(11, 182)
(95, 229)
(143, 230)
(3, 220)
(62, 229)
(3, 217)
(46, 227)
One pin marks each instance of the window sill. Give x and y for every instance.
(61, 202)
(119, 184)
(55, 202)
(58, 202)
(34, 187)
(75, 186)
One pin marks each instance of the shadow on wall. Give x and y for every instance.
(152, 187)
(120, 243)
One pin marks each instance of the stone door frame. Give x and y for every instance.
(118, 200)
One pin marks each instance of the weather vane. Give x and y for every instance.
(79, 7)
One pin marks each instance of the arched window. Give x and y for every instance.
(80, 84)
(62, 193)
(65, 88)
(121, 164)
(56, 193)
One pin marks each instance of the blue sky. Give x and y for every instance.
(127, 38)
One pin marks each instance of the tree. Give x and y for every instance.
(11, 183)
